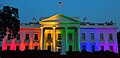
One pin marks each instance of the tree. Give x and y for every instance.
(118, 39)
(9, 21)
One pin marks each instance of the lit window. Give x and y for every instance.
(59, 37)
(18, 36)
(27, 36)
(49, 36)
(59, 43)
(70, 36)
(101, 36)
(9, 35)
(110, 37)
(36, 36)
(92, 36)
(83, 36)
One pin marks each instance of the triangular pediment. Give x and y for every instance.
(59, 18)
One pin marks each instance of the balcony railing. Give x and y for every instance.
(59, 43)
(110, 40)
(17, 40)
(49, 40)
(26, 40)
(92, 40)
(8, 41)
(83, 40)
(70, 40)
(101, 40)
(36, 40)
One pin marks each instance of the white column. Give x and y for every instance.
(66, 33)
(78, 38)
(115, 42)
(41, 39)
(54, 43)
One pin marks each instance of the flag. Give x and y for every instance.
(60, 3)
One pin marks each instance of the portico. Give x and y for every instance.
(59, 27)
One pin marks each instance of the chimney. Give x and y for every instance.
(34, 20)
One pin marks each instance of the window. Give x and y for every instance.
(49, 36)
(93, 48)
(59, 43)
(8, 47)
(70, 36)
(49, 48)
(26, 47)
(70, 48)
(36, 36)
(36, 47)
(110, 37)
(83, 36)
(111, 48)
(101, 36)
(59, 50)
(102, 48)
(83, 47)
(0, 48)
(18, 36)
(59, 37)
(17, 47)
(92, 36)
(9, 35)
(27, 36)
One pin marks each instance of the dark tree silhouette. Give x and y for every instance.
(9, 21)
(118, 39)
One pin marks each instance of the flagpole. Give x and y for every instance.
(59, 7)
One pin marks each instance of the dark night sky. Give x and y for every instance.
(94, 10)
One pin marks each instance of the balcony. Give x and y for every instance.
(70, 40)
(110, 40)
(101, 40)
(26, 40)
(17, 40)
(8, 41)
(92, 40)
(49, 40)
(36, 40)
(59, 43)
(83, 40)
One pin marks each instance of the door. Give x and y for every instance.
(70, 48)
(36, 48)
(49, 48)
(17, 47)
(8, 47)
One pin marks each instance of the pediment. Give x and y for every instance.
(59, 18)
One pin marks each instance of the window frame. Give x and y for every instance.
(35, 36)
(27, 37)
(92, 36)
(83, 36)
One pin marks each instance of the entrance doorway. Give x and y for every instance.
(49, 48)
(8, 47)
(70, 48)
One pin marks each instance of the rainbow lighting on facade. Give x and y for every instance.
(49, 33)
